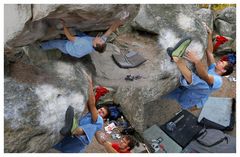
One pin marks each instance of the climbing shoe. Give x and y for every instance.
(70, 122)
(179, 49)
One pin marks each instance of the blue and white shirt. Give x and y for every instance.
(196, 93)
(80, 47)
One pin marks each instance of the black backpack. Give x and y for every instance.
(114, 109)
(212, 141)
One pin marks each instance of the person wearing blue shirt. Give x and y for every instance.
(195, 88)
(80, 46)
(88, 126)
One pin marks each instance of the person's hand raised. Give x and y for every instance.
(207, 28)
(62, 21)
(192, 56)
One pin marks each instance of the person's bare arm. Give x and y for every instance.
(113, 27)
(101, 138)
(109, 148)
(91, 101)
(66, 32)
(201, 70)
(187, 74)
(209, 50)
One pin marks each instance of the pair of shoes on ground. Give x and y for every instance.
(132, 77)
(70, 122)
(179, 49)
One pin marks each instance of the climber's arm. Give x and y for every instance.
(209, 50)
(113, 27)
(66, 32)
(91, 102)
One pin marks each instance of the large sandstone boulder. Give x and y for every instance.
(172, 22)
(45, 21)
(34, 112)
(15, 18)
(206, 15)
(225, 22)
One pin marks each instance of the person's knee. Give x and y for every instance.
(78, 132)
(194, 80)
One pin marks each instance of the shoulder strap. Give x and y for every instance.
(221, 140)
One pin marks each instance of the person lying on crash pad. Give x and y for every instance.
(79, 133)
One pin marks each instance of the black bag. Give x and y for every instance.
(212, 141)
(114, 109)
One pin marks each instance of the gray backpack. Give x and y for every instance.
(212, 141)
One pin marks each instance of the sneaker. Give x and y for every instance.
(179, 49)
(70, 122)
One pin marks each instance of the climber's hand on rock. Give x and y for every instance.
(207, 28)
(63, 22)
(192, 57)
